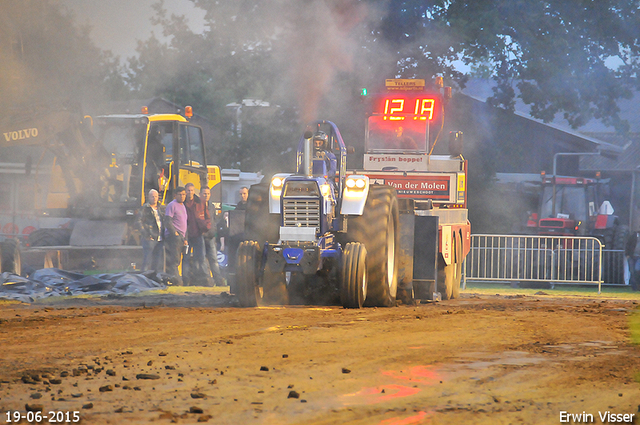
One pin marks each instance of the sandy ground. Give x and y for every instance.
(195, 357)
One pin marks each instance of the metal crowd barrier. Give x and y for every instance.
(552, 259)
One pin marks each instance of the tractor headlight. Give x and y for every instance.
(355, 183)
(325, 189)
(276, 187)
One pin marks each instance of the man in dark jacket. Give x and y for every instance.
(244, 195)
(193, 267)
(150, 225)
(207, 223)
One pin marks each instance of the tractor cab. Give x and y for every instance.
(568, 206)
(309, 200)
(572, 206)
(322, 146)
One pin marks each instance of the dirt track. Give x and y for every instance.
(480, 359)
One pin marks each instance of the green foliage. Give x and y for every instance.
(549, 53)
(554, 52)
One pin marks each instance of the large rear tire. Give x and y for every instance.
(621, 235)
(378, 229)
(10, 260)
(260, 225)
(353, 288)
(249, 265)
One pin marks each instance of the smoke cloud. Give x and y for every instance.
(320, 41)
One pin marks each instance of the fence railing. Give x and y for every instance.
(553, 259)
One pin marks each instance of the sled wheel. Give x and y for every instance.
(446, 275)
(455, 290)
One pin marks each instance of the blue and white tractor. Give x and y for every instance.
(319, 235)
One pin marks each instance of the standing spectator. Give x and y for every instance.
(175, 222)
(244, 195)
(193, 265)
(150, 224)
(211, 252)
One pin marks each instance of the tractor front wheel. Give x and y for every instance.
(248, 271)
(353, 288)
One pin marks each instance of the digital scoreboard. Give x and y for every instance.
(395, 107)
(399, 121)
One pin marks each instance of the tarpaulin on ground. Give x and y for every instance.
(55, 282)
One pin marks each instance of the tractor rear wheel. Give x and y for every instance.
(621, 234)
(353, 287)
(259, 224)
(10, 259)
(249, 265)
(378, 229)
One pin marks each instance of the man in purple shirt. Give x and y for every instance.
(175, 221)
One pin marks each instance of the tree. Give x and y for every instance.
(552, 54)
(252, 49)
(45, 57)
(312, 57)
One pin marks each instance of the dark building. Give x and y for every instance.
(508, 151)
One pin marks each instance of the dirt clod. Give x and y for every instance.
(147, 376)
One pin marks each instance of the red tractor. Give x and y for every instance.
(572, 206)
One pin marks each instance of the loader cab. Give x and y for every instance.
(146, 152)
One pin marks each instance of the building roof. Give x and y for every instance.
(599, 139)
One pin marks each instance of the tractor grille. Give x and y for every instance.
(301, 212)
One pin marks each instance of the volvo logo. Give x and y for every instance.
(21, 134)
